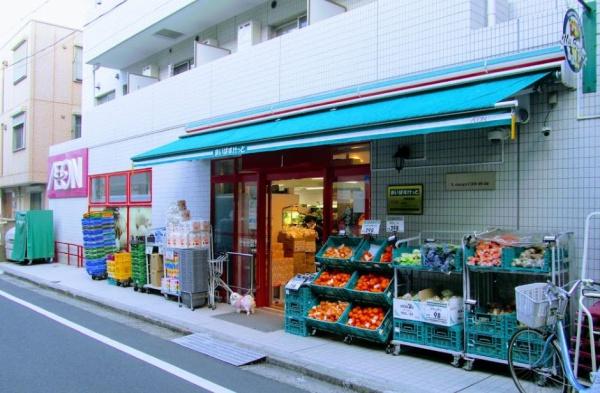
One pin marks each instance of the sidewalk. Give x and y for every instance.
(368, 369)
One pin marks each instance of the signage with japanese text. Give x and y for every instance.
(473, 181)
(405, 199)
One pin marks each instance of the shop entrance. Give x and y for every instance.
(295, 230)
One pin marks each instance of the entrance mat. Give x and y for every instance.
(261, 320)
(219, 350)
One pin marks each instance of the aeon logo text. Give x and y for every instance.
(67, 174)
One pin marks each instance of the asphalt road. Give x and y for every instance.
(39, 354)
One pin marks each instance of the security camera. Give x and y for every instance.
(497, 135)
(546, 131)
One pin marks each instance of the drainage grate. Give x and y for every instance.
(225, 352)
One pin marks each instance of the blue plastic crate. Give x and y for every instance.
(302, 295)
(528, 349)
(510, 253)
(409, 331)
(337, 241)
(479, 322)
(295, 325)
(445, 337)
(332, 292)
(298, 309)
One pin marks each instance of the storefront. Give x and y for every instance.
(314, 157)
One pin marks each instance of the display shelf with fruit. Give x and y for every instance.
(445, 258)
(332, 283)
(338, 251)
(371, 287)
(325, 315)
(373, 254)
(367, 322)
(407, 258)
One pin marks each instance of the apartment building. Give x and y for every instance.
(41, 99)
(260, 112)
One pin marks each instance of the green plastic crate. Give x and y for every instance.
(399, 251)
(445, 337)
(380, 335)
(382, 298)
(299, 308)
(337, 241)
(295, 325)
(486, 345)
(331, 327)
(332, 292)
(528, 349)
(479, 322)
(409, 331)
(375, 264)
(510, 253)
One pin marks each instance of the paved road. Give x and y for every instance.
(40, 354)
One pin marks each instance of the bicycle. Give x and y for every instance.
(538, 355)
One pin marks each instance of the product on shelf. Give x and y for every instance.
(386, 256)
(366, 317)
(329, 311)
(497, 309)
(409, 258)
(429, 294)
(487, 254)
(439, 257)
(341, 252)
(334, 278)
(532, 257)
(367, 256)
(372, 283)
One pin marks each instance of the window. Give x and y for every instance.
(20, 62)
(293, 25)
(76, 130)
(35, 201)
(104, 98)
(117, 188)
(77, 63)
(18, 126)
(98, 194)
(139, 187)
(181, 67)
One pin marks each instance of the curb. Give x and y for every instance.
(319, 372)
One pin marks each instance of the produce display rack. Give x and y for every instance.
(355, 267)
(480, 289)
(152, 244)
(421, 334)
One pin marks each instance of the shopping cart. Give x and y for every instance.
(215, 272)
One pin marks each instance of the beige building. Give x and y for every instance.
(40, 96)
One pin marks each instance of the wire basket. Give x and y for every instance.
(535, 308)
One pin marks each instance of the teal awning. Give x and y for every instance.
(457, 108)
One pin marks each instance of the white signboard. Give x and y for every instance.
(443, 313)
(474, 181)
(394, 224)
(370, 227)
(407, 309)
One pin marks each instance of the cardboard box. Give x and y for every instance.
(443, 313)
(310, 242)
(299, 262)
(156, 262)
(277, 253)
(408, 309)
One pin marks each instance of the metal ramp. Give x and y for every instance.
(219, 350)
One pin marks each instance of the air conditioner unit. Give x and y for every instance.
(150, 70)
(211, 42)
(248, 34)
(524, 109)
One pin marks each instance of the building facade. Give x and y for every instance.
(41, 105)
(247, 83)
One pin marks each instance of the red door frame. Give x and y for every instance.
(263, 177)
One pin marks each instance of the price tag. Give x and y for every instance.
(370, 227)
(149, 249)
(394, 224)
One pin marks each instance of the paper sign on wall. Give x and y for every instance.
(394, 224)
(370, 227)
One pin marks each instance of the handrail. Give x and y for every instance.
(78, 254)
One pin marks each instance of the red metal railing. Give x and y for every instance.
(67, 249)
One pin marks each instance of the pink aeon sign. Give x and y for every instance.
(68, 175)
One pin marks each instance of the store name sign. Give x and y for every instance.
(229, 151)
(473, 181)
(572, 41)
(68, 174)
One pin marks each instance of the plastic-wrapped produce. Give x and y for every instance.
(440, 257)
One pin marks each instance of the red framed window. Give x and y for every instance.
(128, 188)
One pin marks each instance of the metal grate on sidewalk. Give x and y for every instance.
(219, 350)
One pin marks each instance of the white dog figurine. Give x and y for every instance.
(240, 303)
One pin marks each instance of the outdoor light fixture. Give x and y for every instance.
(401, 154)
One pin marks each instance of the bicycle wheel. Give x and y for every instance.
(534, 365)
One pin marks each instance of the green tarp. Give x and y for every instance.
(34, 235)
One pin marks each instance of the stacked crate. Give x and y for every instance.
(297, 305)
(488, 334)
(97, 227)
(139, 275)
(118, 266)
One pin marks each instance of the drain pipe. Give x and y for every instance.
(513, 105)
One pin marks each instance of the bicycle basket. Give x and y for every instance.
(534, 308)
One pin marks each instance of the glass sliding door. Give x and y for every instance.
(350, 204)
(247, 221)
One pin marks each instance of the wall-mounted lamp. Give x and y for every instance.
(401, 154)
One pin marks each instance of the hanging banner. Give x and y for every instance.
(405, 199)
(68, 175)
